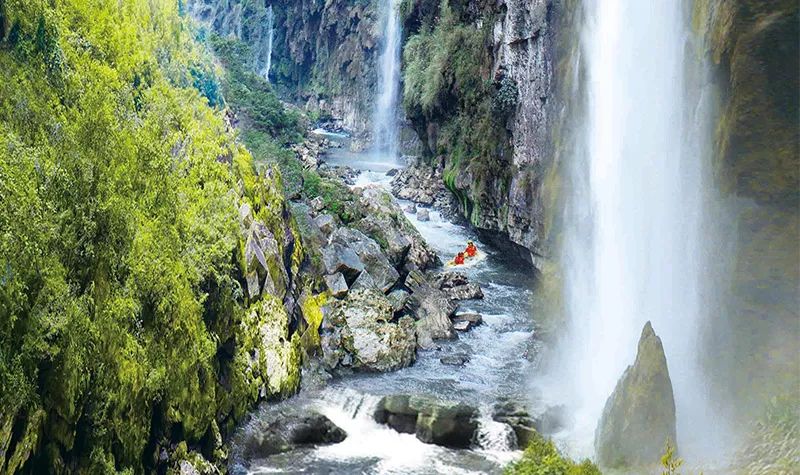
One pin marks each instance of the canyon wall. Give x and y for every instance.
(324, 54)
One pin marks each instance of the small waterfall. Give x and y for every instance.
(637, 223)
(385, 129)
(270, 19)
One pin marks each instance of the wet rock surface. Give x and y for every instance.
(434, 422)
(286, 432)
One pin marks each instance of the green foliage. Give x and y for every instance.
(336, 198)
(445, 82)
(541, 457)
(251, 96)
(118, 235)
(669, 461)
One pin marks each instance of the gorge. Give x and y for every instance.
(226, 232)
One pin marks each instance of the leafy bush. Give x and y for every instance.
(542, 458)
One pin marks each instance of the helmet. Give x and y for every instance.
(469, 242)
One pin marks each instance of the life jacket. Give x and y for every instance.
(472, 250)
(459, 260)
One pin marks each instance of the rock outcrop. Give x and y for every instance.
(359, 333)
(639, 417)
(285, 432)
(434, 422)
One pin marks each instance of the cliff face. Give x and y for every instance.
(479, 86)
(754, 53)
(323, 54)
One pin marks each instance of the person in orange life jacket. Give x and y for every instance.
(471, 250)
(459, 259)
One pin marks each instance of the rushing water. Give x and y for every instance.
(385, 120)
(499, 368)
(637, 216)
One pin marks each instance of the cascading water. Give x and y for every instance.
(633, 245)
(270, 19)
(385, 129)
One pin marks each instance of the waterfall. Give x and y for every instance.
(636, 231)
(270, 19)
(385, 130)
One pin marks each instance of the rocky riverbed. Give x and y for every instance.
(424, 369)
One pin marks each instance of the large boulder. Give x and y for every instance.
(339, 258)
(358, 333)
(387, 223)
(639, 417)
(434, 422)
(285, 432)
(433, 310)
(457, 286)
(369, 252)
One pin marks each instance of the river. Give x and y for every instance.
(500, 353)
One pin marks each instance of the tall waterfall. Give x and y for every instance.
(385, 127)
(637, 222)
(270, 19)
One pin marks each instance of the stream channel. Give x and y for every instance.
(499, 368)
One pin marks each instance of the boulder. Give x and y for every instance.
(369, 252)
(325, 223)
(433, 310)
(434, 422)
(517, 416)
(365, 281)
(457, 286)
(639, 417)
(467, 321)
(399, 299)
(386, 223)
(339, 258)
(455, 359)
(286, 432)
(336, 285)
(423, 215)
(358, 333)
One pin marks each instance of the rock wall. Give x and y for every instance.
(493, 136)
(323, 53)
(753, 49)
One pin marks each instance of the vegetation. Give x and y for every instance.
(542, 458)
(446, 83)
(773, 445)
(122, 309)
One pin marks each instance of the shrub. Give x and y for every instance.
(542, 458)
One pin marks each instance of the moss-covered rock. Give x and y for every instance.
(639, 417)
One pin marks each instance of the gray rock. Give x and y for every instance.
(423, 215)
(336, 284)
(359, 330)
(338, 258)
(369, 252)
(365, 281)
(325, 223)
(517, 416)
(399, 299)
(470, 291)
(317, 204)
(467, 321)
(639, 417)
(411, 209)
(456, 359)
(433, 310)
(435, 422)
(286, 432)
